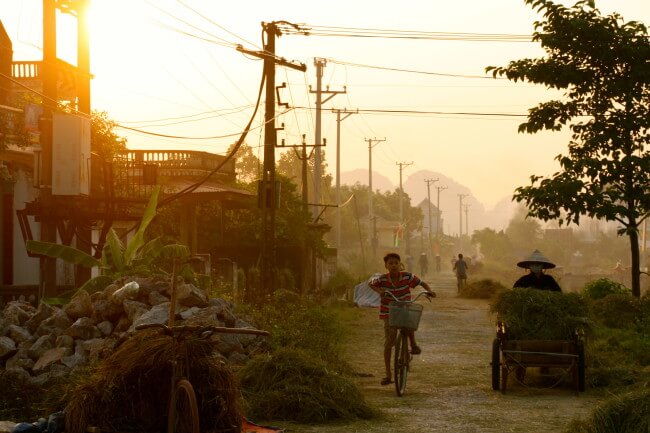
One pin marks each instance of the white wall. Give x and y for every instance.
(26, 269)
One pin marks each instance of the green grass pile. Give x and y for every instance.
(299, 323)
(129, 390)
(625, 413)
(531, 314)
(289, 385)
(481, 289)
(617, 310)
(602, 287)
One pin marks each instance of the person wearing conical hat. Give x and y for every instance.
(536, 278)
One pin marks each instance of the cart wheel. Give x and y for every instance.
(581, 366)
(185, 416)
(496, 364)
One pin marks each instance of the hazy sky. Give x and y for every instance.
(155, 71)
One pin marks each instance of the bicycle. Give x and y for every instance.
(405, 316)
(183, 411)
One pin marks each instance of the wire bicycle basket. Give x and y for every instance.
(404, 315)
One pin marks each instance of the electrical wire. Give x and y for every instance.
(175, 17)
(217, 24)
(156, 134)
(424, 112)
(232, 153)
(311, 30)
(189, 116)
(439, 74)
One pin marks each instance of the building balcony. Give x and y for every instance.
(30, 74)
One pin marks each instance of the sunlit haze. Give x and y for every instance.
(156, 63)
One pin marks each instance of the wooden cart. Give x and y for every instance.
(510, 356)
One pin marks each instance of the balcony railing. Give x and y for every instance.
(30, 74)
(134, 173)
(177, 162)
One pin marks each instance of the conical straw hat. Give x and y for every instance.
(536, 257)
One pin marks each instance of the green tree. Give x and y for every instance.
(248, 165)
(602, 65)
(103, 140)
(495, 246)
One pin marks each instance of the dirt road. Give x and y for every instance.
(449, 388)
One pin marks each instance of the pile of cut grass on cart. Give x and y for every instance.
(531, 314)
(129, 391)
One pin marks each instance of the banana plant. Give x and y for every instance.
(117, 259)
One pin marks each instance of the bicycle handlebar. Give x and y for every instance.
(425, 293)
(201, 329)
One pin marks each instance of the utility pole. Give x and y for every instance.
(401, 191)
(320, 64)
(373, 239)
(48, 228)
(438, 231)
(339, 119)
(267, 189)
(370, 146)
(401, 165)
(466, 207)
(460, 220)
(429, 182)
(303, 158)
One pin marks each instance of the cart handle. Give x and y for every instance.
(201, 329)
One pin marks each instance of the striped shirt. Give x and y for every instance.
(400, 289)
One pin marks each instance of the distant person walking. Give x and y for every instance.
(424, 264)
(460, 268)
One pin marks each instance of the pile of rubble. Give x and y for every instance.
(48, 341)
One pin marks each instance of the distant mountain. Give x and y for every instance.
(379, 181)
(416, 187)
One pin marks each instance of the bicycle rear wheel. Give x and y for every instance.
(401, 365)
(183, 414)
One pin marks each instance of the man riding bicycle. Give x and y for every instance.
(399, 283)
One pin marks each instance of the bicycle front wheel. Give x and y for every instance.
(401, 365)
(183, 414)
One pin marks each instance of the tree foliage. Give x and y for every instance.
(602, 65)
(103, 140)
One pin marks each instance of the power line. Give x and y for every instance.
(217, 24)
(156, 134)
(310, 30)
(189, 116)
(439, 74)
(424, 112)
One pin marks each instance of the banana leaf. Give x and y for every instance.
(97, 284)
(138, 238)
(63, 252)
(113, 252)
(175, 251)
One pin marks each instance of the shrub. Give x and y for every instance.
(532, 314)
(301, 324)
(481, 289)
(602, 287)
(616, 310)
(625, 413)
(292, 386)
(340, 283)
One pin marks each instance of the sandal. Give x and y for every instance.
(415, 350)
(386, 381)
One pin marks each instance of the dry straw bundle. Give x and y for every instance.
(129, 391)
